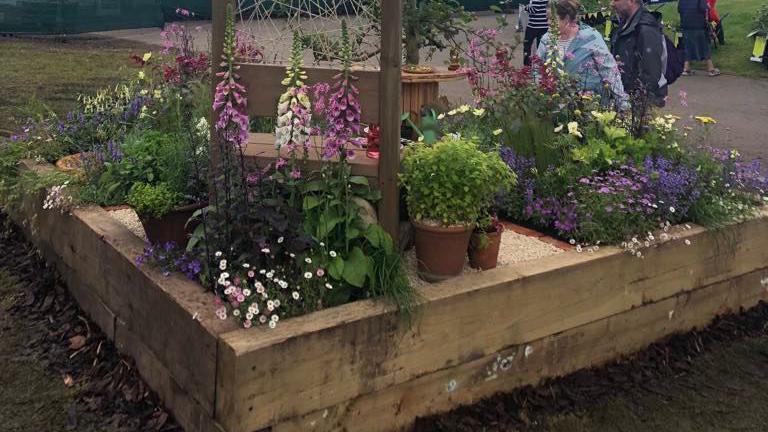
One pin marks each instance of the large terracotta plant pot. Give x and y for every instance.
(172, 227)
(440, 251)
(484, 248)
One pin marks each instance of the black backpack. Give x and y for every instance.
(675, 57)
(675, 61)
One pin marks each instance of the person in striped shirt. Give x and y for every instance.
(537, 26)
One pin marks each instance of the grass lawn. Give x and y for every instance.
(51, 73)
(733, 57)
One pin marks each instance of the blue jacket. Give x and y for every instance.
(588, 60)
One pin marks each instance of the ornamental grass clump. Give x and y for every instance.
(452, 182)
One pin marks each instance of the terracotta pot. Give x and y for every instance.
(484, 253)
(440, 251)
(74, 163)
(171, 227)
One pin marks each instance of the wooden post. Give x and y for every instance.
(389, 112)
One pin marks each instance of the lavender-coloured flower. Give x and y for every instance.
(341, 108)
(229, 100)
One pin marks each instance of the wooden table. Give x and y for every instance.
(424, 89)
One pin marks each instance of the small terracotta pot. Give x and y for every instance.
(74, 164)
(172, 226)
(440, 251)
(484, 253)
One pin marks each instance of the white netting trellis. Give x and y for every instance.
(271, 24)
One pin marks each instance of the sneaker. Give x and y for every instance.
(687, 72)
(714, 72)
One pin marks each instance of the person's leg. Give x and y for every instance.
(688, 53)
(530, 35)
(713, 71)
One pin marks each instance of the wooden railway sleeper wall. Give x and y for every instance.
(360, 367)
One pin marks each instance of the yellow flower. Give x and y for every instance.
(441, 116)
(497, 132)
(452, 112)
(573, 129)
(462, 109)
(141, 75)
(604, 118)
(479, 112)
(146, 57)
(705, 119)
(586, 96)
(559, 128)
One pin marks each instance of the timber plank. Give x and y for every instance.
(186, 410)
(261, 149)
(263, 83)
(157, 309)
(461, 320)
(44, 222)
(590, 345)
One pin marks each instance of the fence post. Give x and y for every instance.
(389, 112)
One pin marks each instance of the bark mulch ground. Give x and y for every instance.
(59, 371)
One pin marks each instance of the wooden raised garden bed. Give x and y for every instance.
(361, 366)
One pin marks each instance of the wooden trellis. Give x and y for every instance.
(380, 99)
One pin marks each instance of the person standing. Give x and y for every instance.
(694, 22)
(536, 27)
(715, 22)
(584, 55)
(641, 51)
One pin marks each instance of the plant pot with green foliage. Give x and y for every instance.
(484, 245)
(449, 186)
(161, 174)
(162, 213)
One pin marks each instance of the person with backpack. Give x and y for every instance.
(694, 22)
(584, 55)
(640, 48)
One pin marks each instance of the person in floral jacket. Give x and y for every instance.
(584, 55)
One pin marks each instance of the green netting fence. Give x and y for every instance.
(80, 16)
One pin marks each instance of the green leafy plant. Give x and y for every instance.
(153, 200)
(452, 182)
(149, 157)
(760, 21)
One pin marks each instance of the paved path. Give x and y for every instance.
(740, 105)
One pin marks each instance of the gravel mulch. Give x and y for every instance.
(129, 218)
